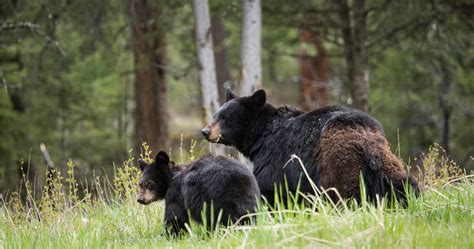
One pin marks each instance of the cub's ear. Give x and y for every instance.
(142, 164)
(258, 98)
(162, 159)
(229, 95)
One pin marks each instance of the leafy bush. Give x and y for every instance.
(438, 169)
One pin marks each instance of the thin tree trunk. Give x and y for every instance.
(444, 101)
(63, 128)
(149, 50)
(360, 91)
(314, 69)
(354, 36)
(346, 31)
(446, 119)
(251, 68)
(17, 100)
(220, 57)
(207, 68)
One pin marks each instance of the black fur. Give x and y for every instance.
(224, 183)
(268, 136)
(376, 183)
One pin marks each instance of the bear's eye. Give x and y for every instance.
(222, 116)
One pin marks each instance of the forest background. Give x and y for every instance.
(90, 80)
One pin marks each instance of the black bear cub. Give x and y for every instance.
(223, 183)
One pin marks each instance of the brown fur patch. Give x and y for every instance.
(342, 151)
(215, 133)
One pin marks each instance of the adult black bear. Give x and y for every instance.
(224, 183)
(335, 144)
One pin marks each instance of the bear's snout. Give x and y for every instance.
(212, 132)
(205, 132)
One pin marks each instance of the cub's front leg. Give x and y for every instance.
(175, 218)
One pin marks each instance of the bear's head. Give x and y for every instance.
(231, 121)
(155, 178)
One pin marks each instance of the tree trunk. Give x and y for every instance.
(207, 68)
(149, 50)
(360, 89)
(354, 36)
(63, 128)
(220, 57)
(314, 69)
(444, 80)
(250, 50)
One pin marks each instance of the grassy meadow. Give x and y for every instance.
(107, 215)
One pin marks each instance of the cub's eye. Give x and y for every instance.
(149, 184)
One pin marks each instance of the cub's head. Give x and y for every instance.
(232, 119)
(155, 178)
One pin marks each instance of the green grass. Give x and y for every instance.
(109, 216)
(441, 218)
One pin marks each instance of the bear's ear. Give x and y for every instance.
(162, 160)
(229, 95)
(258, 98)
(142, 164)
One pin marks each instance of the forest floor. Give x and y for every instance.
(442, 217)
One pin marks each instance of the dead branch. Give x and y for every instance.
(46, 156)
(8, 26)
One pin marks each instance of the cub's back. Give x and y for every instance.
(219, 176)
(226, 183)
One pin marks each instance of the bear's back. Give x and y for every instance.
(299, 134)
(296, 133)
